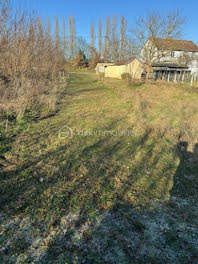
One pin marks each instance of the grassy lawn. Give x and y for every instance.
(111, 178)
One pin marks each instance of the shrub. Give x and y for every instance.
(126, 76)
(80, 60)
(95, 58)
(102, 74)
(29, 62)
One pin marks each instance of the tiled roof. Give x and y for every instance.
(124, 62)
(174, 44)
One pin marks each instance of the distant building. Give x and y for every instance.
(100, 67)
(166, 59)
(171, 59)
(133, 66)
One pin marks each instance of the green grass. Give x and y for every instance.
(121, 189)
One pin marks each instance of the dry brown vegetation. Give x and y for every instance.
(29, 63)
(175, 117)
(112, 177)
(102, 197)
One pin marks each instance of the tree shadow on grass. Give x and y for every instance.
(94, 214)
(186, 177)
(5, 146)
(128, 233)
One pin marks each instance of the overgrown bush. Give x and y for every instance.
(30, 61)
(102, 74)
(126, 76)
(95, 58)
(80, 60)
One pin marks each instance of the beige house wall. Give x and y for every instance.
(102, 66)
(134, 68)
(115, 71)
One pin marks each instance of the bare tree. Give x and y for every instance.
(40, 27)
(114, 39)
(48, 28)
(122, 38)
(92, 37)
(107, 39)
(64, 36)
(57, 32)
(150, 28)
(72, 33)
(81, 44)
(95, 58)
(100, 38)
(29, 62)
(187, 59)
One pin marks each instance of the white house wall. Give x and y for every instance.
(165, 56)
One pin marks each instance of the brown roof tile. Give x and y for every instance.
(175, 44)
(124, 62)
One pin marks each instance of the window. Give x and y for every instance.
(172, 54)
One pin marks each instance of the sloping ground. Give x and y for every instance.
(112, 178)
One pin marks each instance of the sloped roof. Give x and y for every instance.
(105, 63)
(124, 62)
(174, 44)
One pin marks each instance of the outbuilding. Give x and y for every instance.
(100, 67)
(133, 66)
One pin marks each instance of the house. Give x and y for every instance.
(100, 67)
(132, 66)
(171, 59)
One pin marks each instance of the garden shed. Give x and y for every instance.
(132, 66)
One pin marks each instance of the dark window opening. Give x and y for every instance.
(172, 54)
(143, 76)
